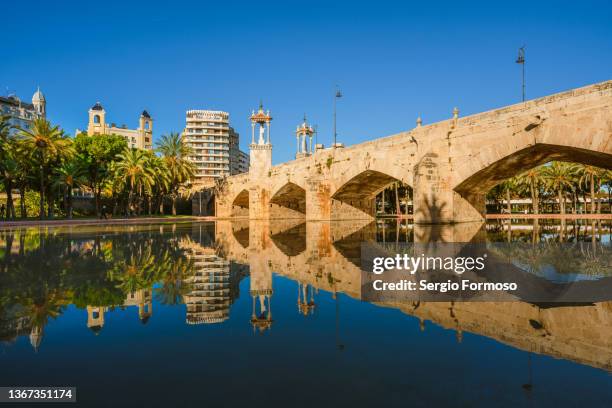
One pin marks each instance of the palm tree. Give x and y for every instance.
(590, 176)
(533, 179)
(560, 177)
(162, 178)
(133, 170)
(606, 180)
(176, 155)
(7, 162)
(26, 177)
(68, 176)
(509, 186)
(46, 144)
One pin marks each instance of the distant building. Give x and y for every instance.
(241, 162)
(213, 286)
(215, 144)
(140, 138)
(141, 298)
(21, 113)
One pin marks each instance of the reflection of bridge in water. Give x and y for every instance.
(326, 256)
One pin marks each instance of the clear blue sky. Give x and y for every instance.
(393, 61)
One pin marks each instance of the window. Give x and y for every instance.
(96, 119)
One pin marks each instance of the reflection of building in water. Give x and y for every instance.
(95, 318)
(305, 302)
(261, 293)
(142, 299)
(15, 322)
(36, 335)
(214, 286)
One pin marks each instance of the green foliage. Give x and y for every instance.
(32, 198)
(329, 162)
(99, 149)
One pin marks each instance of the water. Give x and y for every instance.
(230, 314)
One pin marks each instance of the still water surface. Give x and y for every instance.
(237, 313)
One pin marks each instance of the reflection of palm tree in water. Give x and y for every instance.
(432, 211)
(174, 285)
(139, 271)
(39, 309)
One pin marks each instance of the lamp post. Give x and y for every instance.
(521, 60)
(337, 95)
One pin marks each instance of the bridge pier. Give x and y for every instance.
(318, 201)
(259, 203)
(434, 200)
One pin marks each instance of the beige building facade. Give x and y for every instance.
(215, 145)
(140, 138)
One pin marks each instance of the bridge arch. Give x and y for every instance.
(482, 180)
(240, 204)
(356, 196)
(291, 242)
(289, 201)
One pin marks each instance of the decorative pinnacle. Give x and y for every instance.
(455, 113)
(419, 121)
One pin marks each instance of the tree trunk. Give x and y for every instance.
(98, 199)
(534, 198)
(592, 194)
(398, 211)
(561, 202)
(407, 198)
(10, 207)
(42, 189)
(22, 206)
(383, 202)
(536, 203)
(69, 203)
(128, 206)
(508, 203)
(50, 206)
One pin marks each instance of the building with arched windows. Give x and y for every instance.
(140, 138)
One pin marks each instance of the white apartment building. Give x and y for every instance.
(215, 145)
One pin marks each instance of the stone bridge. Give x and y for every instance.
(450, 165)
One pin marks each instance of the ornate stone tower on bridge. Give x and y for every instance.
(304, 133)
(260, 162)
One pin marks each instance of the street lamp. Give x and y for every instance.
(521, 60)
(337, 95)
